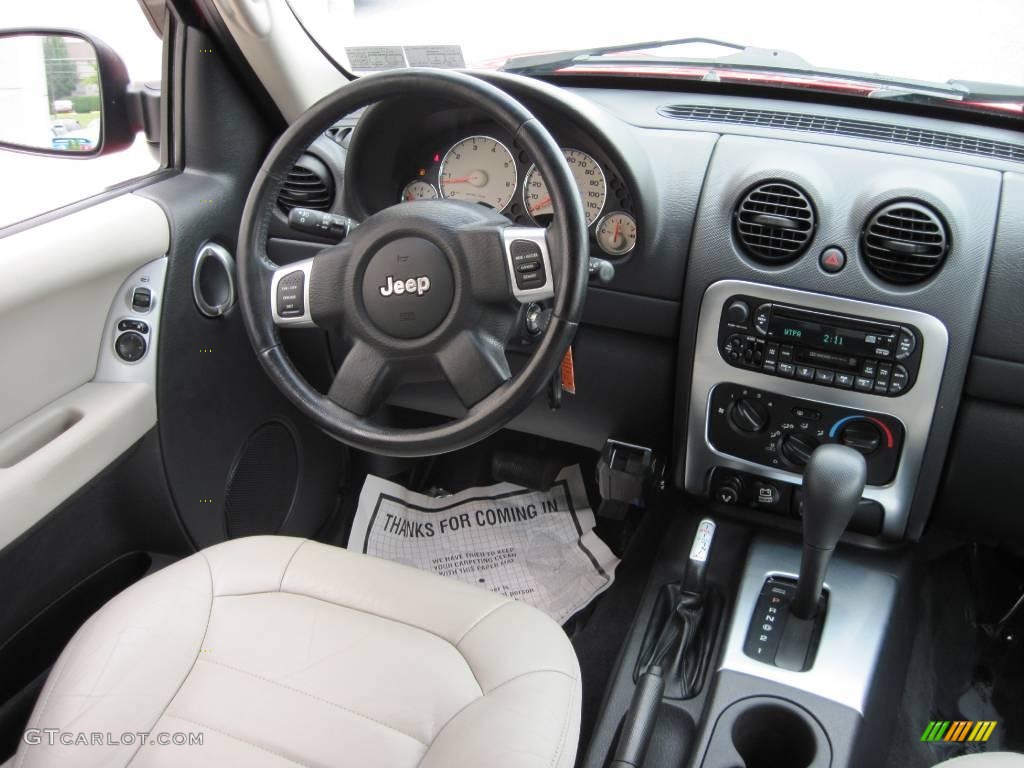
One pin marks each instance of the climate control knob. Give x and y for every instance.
(749, 415)
(861, 435)
(797, 449)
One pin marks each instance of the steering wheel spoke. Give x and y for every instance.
(474, 363)
(291, 287)
(363, 381)
(528, 263)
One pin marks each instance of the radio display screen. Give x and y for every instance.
(811, 332)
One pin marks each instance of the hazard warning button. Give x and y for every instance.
(832, 259)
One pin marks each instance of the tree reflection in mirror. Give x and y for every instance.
(50, 96)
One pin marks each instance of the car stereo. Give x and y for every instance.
(827, 349)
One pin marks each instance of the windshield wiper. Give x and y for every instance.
(746, 55)
(746, 58)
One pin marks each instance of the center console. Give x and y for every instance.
(778, 372)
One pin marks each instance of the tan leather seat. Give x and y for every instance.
(285, 652)
(985, 760)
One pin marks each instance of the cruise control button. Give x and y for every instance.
(291, 294)
(844, 380)
(824, 377)
(863, 384)
(786, 369)
(805, 372)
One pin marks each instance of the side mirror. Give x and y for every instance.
(62, 93)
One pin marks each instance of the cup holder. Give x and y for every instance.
(767, 732)
(771, 736)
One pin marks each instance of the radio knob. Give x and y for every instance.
(737, 312)
(797, 449)
(861, 435)
(749, 415)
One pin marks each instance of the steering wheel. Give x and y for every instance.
(422, 291)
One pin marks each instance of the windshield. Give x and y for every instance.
(919, 40)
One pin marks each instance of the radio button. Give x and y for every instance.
(771, 352)
(900, 379)
(786, 353)
(884, 371)
(869, 368)
(761, 318)
(906, 344)
(883, 352)
(805, 372)
(844, 380)
(824, 377)
(787, 369)
(863, 384)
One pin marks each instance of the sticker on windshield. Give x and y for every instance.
(439, 56)
(375, 58)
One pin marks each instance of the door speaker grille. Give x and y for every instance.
(262, 483)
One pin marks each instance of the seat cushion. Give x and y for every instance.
(985, 760)
(283, 651)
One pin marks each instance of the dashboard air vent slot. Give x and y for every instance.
(841, 126)
(774, 222)
(309, 184)
(905, 242)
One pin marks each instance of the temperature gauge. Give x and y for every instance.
(616, 233)
(418, 190)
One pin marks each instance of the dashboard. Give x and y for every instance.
(786, 274)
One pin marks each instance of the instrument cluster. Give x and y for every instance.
(487, 168)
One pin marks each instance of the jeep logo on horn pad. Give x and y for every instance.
(417, 285)
(407, 287)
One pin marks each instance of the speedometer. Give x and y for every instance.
(590, 182)
(479, 169)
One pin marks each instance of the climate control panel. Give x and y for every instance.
(782, 431)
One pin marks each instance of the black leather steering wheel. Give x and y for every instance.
(421, 291)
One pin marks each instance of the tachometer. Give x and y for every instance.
(479, 169)
(589, 180)
(418, 190)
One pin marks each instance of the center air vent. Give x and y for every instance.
(774, 222)
(905, 242)
(309, 184)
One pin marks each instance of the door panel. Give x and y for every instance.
(59, 281)
(59, 426)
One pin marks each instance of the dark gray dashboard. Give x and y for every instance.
(636, 350)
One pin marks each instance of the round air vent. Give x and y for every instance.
(905, 242)
(774, 222)
(309, 184)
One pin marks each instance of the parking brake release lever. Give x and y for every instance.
(833, 484)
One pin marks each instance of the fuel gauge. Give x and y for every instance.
(418, 190)
(616, 233)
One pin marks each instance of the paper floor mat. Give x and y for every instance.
(536, 547)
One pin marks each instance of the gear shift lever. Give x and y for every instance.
(833, 484)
